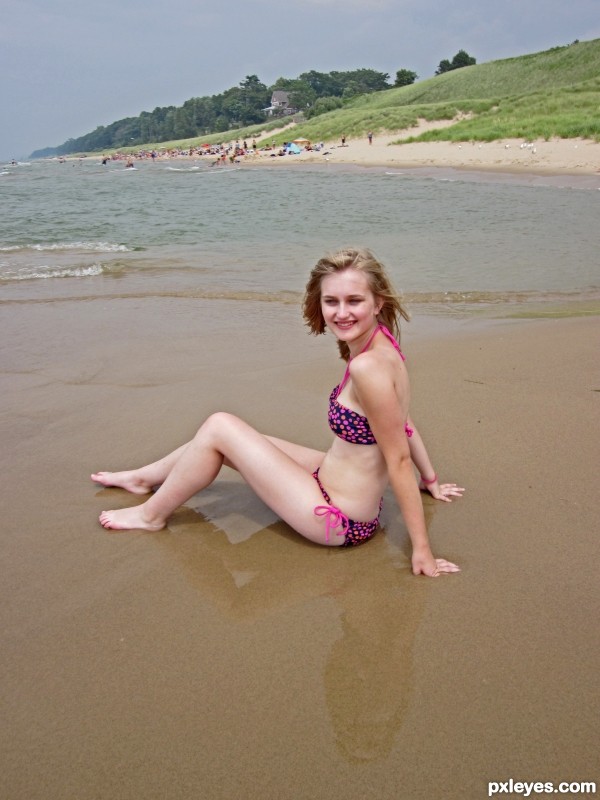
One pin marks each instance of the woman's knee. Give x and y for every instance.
(216, 425)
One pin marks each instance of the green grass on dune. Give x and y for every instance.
(548, 70)
(564, 113)
(555, 93)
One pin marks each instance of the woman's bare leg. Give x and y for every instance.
(144, 479)
(275, 475)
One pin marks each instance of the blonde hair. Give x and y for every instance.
(364, 261)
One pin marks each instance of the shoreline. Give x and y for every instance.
(553, 158)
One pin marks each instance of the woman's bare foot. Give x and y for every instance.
(127, 519)
(128, 480)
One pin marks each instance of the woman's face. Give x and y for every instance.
(348, 305)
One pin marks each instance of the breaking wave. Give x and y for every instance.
(84, 247)
(38, 273)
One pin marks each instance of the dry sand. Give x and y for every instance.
(228, 658)
(556, 156)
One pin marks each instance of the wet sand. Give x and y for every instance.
(226, 657)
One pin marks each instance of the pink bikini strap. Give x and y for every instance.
(334, 518)
(407, 429)
(347, 373)
(371, 337)
(389, 335)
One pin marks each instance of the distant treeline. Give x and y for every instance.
(312, 93)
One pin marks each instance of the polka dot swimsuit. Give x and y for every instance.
(354, 428)
(348, 424)
(354, 531)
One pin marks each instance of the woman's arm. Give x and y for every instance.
(374, 387)
(428, 478)
(406, 491)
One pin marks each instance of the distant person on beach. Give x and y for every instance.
(344, 140)
(332, 498)
(370, 137)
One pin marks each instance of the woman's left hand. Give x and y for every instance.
(430, 566)
(443, 491)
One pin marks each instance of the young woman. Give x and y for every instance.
(332, 498)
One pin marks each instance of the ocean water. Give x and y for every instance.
(450, 240)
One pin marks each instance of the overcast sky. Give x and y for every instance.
(67, 66)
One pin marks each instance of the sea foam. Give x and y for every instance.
(45, 272)
(86, 247)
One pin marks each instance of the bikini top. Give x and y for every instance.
(348, 424)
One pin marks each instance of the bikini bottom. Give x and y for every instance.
(353, 531)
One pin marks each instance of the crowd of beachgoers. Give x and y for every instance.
(555, 156)
(231, 152)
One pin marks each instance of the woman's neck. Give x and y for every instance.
(360, 345)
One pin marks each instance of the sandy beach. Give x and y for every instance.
(226, 657)
(552, 158)
(555, 156)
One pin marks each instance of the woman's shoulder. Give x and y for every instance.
(376, 365)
